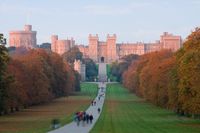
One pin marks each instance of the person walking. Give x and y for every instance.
(84, 119)
(78, 120)
(99, 110)
(91, 118)
(87, 118)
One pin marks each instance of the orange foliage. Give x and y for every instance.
(38, 77)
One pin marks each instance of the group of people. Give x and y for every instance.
(84, 117)
(93, 103)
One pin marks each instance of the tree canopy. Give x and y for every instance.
(117, 68)
(4, 79)
(37, 76)
(73, 54)
(91, 69)
(2, 40)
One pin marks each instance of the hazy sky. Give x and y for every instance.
(131, 20)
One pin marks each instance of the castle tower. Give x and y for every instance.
(25, 38)
(54, 38)
(93, 47)
(169, 41)
(111, 48)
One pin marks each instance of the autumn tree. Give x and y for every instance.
(189, 74)
(147, 77)
(41, 75)
(17, 91)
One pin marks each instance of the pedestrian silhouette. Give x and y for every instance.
(98, 110)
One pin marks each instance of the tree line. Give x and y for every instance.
(167, 79)
(31, 77)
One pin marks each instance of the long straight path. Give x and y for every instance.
(102, 72)
(73, 128)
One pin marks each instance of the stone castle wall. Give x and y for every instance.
(110, 51)
(61, 46)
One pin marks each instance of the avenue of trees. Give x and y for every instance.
(31, 77)
(170, 80)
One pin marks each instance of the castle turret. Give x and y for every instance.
(111, 48)
(93, 47)
(27, 27)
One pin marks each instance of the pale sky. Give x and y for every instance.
(131, 20)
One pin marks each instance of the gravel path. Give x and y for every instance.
(73, 128)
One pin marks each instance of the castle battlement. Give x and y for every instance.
(111, 36)
(94, 37)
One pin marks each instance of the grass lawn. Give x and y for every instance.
(126, 113)
(37, 119)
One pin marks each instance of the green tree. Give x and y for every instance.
(77, 81)
(2, 40)
(4, 59)
(91, 69)
(72, 54)
(117, 69)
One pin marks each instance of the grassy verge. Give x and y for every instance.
(37, 119)
(126, 113)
